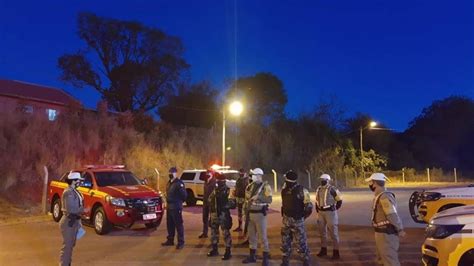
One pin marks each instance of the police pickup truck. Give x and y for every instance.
(194, 181)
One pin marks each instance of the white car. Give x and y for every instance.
(450, 238)
(194, 182)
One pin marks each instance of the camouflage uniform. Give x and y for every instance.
(295, 199)
(219, 205)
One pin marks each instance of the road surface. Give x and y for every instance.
(38, 242)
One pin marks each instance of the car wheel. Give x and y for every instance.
(190, 199)
(467, 258)
(56, 210)
(101, 223)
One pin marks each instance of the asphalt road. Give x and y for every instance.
(38, 242)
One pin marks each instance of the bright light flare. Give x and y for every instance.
(373, 124)
(236, 108)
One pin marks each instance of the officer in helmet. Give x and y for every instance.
(385, 220)
(296, 206)
(209, 186)
(220, 202)
(175, 196)
(240, 185)
(328, 201)
(72, 206)
(258, 195)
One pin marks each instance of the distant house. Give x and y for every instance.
(33, 98)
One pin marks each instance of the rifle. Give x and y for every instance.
(247, 216)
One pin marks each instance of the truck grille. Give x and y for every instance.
(143, 205)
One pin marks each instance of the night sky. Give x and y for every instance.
(386, 58)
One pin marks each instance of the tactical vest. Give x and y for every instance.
(293, 201)
(324, 199)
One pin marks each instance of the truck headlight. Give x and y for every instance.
(442, 231)
(117, 201)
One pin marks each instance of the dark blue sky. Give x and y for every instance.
(386, 58)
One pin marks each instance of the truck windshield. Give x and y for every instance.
(104, 179)
(231, 176)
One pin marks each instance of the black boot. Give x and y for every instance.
(266, 259)
(335, 254)
(251, 258)
(323, 252)
(285, 261)
(168, 243)
(213, 252)
(227, 254)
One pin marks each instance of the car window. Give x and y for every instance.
(203, 176)
(87, 180)
(187, 176)
(104, 179)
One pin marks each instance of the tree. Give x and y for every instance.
(194, 106)
(133, 66)
(442, 135)
(264, 97)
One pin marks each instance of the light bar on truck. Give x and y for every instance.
(216, 167)
(93, 166)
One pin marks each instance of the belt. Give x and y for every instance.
(327, 208)
(380, 224)
(259, 204)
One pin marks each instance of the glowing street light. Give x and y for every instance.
(372, 124)
(235, 108)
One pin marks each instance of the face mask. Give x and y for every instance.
(324, 182)
(256, 178)
(75, 183)
(171, 176)
(372, 187)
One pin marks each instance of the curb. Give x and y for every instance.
(25, 220)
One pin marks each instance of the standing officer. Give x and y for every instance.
(72, 206)
(175, 196)
(385, 220)
(240, 185)
(328, 201)
(219, 206)
(209, 186)
(296, 206)
(258, 195)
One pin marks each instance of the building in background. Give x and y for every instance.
(19, 96)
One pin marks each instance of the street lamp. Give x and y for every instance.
(372, 124)
(235, 109)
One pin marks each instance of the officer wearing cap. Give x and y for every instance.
(175, 196)
(385, 220)
(296, 206)
(328, 201)
(258, 195)
(209, 186)
(220, 203)
(240, 185)
(72, 206)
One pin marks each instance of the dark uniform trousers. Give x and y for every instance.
(294, 228)
(205, 219)
(174, 222)
(224, 224)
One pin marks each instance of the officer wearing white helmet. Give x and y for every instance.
(328, 201)
(72, 206)
(385, 220)
(258, 195)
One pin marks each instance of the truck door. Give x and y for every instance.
(87, 190)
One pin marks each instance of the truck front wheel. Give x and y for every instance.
(56, 209)
(101, 223)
